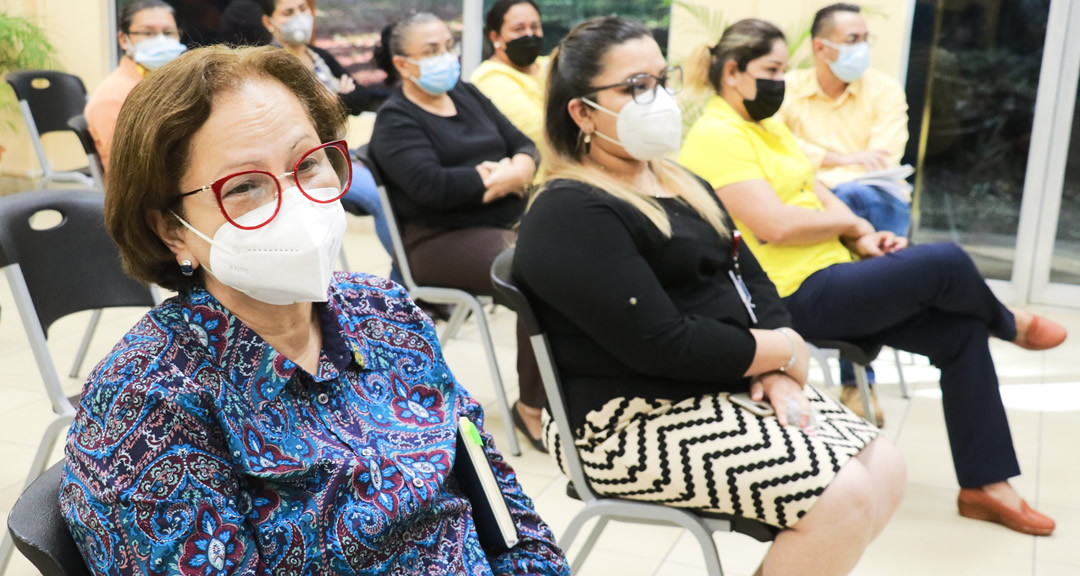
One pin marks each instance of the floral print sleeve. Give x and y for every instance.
(198, 449)
(160, 495)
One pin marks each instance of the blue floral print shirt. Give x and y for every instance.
(199, 449)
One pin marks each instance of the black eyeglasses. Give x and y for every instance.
(642, 87)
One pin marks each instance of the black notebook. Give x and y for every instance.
(494, 525)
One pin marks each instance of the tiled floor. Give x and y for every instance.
(926, 537)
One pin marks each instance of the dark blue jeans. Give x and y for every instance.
(883, 210)
(930, 300)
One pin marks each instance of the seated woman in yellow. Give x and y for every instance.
(926, 299)
(514, 76)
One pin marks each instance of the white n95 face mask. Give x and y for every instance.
(298, 29)
(287, 261)
(646, 131)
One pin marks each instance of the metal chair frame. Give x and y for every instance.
(860, 357)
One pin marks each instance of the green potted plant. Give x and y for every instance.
(23, 46)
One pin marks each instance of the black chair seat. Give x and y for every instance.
(862, 354)
(39, 531)
(752, 528)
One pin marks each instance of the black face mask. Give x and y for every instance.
(523, 51)
(770, 95)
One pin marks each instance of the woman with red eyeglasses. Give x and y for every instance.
(274, 417)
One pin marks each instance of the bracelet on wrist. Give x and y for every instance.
(791, 344)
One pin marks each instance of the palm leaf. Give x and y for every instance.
(23, 46)
(799, 53)
(711, 22)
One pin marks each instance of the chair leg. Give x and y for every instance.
(900, 371)
(708, 548)
(454, 324)
(7, 545)
(48, 442)
(590, 542)
(864, 391)
(823, 362)
(85, 345)
(496, 377)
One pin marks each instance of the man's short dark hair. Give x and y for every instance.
(824, 18)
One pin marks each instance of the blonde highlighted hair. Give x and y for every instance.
(574, 65)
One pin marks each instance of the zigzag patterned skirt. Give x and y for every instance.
(708, 453)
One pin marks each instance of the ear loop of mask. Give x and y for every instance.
(605, 110)
(204, 237)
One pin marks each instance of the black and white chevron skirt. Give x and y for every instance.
(708, 453)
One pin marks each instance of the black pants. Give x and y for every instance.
(462, 259)
(929, 300)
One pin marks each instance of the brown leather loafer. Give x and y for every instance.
(978, 505)
(1041, 334)
(850, 397)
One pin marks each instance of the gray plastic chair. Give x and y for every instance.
(465, 303)
(39, 531)
(78, 125)
(52, 273)
(97, 172)
(47, 100)
(604, 509)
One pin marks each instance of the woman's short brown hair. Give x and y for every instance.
(152, 143)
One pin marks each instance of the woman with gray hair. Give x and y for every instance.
(457, 171)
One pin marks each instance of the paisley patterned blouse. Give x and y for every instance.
(199, 449)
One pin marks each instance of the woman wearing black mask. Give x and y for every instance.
(842, 280)
(513, 77)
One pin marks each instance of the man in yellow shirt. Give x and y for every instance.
(849, 119)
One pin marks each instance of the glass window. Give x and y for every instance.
(1065, 263)
(984, 65)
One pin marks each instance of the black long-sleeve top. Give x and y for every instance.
(362, 98)
(429, 161)
(630, 313)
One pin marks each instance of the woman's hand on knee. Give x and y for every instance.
(778, 388)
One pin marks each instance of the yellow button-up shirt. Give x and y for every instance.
(724, 149)
(519, 96)
(871, 114)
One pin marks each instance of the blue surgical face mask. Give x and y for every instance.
(438, 74)
(153, 53)
(851, 62)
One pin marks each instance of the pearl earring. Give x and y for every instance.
(588, 143)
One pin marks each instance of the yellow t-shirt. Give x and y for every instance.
(724, 149)
(519, 96)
